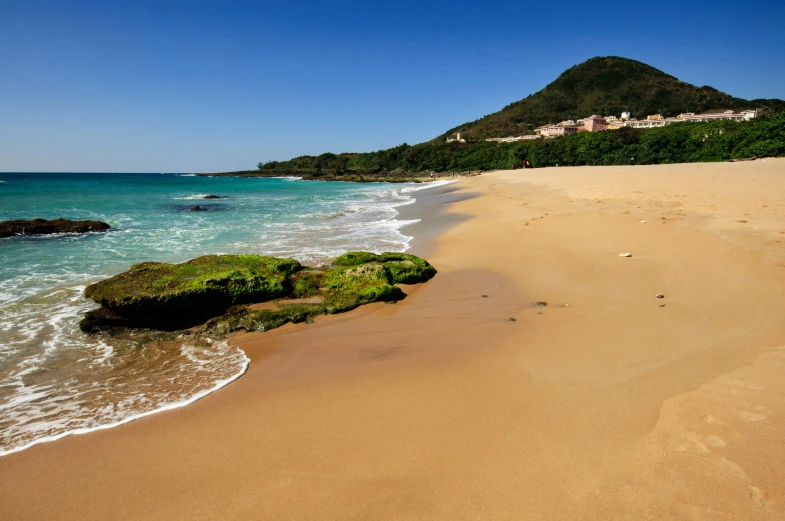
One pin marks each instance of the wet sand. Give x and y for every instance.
(601, 405)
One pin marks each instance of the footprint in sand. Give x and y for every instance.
(751, 416)
(712, 420)
(714, 441)
(760, 497)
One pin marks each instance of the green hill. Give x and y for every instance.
(608, 86)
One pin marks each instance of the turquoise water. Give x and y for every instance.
(54, 380)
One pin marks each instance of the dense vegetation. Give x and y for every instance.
(677, 143)
(606, 85)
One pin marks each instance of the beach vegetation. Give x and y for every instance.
(686, 142)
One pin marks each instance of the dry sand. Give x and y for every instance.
(602, 405)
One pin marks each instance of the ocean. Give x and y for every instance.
(54, 379)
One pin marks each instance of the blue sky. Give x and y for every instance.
(175, 86)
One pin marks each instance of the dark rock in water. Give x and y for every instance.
(201, 208)
(102, 319)
(215, 288)
(44, 227)
(211, 196)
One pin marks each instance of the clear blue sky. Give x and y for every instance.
(170, 85)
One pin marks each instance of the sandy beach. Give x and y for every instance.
(607, 403)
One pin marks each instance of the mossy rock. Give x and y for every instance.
(404, 268)
(242, 318)
(348, 288)
(213, 289)
(155, 294)
(307, 283)
(355, 258)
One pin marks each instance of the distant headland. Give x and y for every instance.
(610, 111)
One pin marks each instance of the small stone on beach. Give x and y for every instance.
(644, 222)
(625, 255)
(541, 303)
(662, 305)
(511, 319)
(659, 295)
(484, 296)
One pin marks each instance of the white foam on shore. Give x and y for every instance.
(416, 187)
(166, 407)
(194, 197)
(368, 223)
(62, 384)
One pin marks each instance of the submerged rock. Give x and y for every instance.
(211, 196)
(46, 227)
(205, 207)
(214, 291)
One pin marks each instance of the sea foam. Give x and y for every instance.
(57, 381)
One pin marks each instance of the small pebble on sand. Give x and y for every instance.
(625, 255)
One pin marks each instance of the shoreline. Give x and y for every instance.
(600, 405)
(413, 211)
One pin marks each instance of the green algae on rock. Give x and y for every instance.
(404, 268)
(348, 288)
(213, 290)
(340, 290)
(171, 296)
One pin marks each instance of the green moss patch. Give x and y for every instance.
(213, 289)
(170, 296)
(404, 268)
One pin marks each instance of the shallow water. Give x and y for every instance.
(55, 380)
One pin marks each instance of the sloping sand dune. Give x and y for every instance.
(608, 403)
